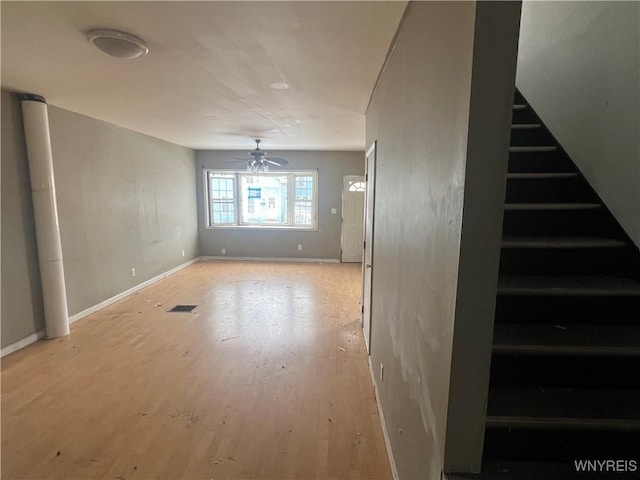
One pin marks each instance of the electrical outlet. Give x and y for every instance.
(334, 211)
(183, 253)
(381, 372)
(224, 251)
(133, 272)
(299, 247)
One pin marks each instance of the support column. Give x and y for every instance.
(43, 190)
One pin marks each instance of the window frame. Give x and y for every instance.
(239, 224)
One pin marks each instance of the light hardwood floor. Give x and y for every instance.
(268, 378)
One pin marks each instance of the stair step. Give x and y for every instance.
(563, 423)
(523, 470)
(526, 162)
(552, 206)
(519, 106)
(533, 148)
(558, 221)
(591, 340)
(541, 175)
(566, 310)
(576, 408)
(550, 242)
(565, 371)
(548, 188)
(567, 447)
(525, 126)
(568, 286)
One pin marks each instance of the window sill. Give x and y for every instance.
(286, 228)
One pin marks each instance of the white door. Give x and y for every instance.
(367, 256)
(353, 188)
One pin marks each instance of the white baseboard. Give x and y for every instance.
(74, 318)
(22, 343)
(273, 259)
(387, 442)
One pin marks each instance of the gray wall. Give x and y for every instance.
(22, 310)
(322, 244)
(419, 115)
(441, 118)
(495, 49)
(125, 200)
(579, 67)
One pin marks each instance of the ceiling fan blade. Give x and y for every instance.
(244, 160)
(274, 163)
(281, 161)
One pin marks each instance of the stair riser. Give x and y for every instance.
(525, 116)
(562, 446)
(559, 262)
(539, 162)
(565, 371)
(549, 191)
(567, 310)
(533, 136)
(558, 222)
(605, 408)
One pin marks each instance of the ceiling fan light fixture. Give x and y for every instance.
(255, 166)
(118, 44)
(259, 161)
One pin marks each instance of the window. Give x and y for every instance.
(276, 200)
(222, 210)
(303, 201)
(357, 186)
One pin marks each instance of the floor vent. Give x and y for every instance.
(183, 308)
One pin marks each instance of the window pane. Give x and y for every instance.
(357, 186)
(303, 213)
(264, 199)
(223, 212)
(222, 186)
(304, 187)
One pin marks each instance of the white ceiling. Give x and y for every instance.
(206, 80)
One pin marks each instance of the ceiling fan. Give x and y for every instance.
(259, 160)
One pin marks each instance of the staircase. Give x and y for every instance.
(565, 372)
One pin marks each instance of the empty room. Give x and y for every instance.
(320, 240)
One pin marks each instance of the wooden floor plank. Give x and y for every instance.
(266, 378)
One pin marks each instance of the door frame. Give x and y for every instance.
(367, 245)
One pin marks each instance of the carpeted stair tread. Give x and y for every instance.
(568, 286)
(552, 206)
(583, 408)
(541, 175)
(561, 242)
(588, 340)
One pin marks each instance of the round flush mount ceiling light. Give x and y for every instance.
(118, 44)
(279, 85)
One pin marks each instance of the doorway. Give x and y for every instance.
(353, 190)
